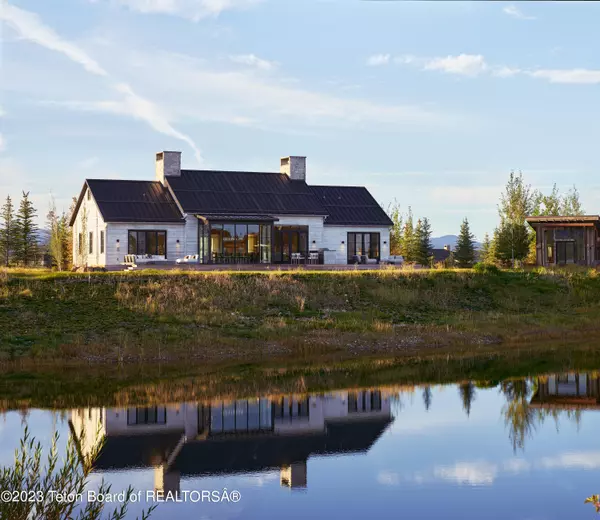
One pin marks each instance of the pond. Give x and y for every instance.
(525, 448)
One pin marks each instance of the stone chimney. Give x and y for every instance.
(294, 167)
(448, 247)
(168, 164)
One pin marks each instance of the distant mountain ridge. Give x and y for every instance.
(440, 242)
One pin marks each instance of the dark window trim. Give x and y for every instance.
(102, 238)
(363, 233)
(149, 231)
(91, 244)
(235, 241)
(145, 409)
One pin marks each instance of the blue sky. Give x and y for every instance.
(428, 103)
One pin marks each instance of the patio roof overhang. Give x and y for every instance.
(238, 218)
(557, 220)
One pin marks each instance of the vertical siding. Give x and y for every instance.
(95, 224)
(115, 252)
(334, 235)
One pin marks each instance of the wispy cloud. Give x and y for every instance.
(30, 27)
(476, 473)
(378, 59)
(194, 10)
(252, 60)
(571, 76)
(515, 12)
(463, 64)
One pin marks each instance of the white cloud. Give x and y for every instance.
(463, 64)
(253, 61)
(515, 12)
(516, 465)
(191, 9)
(472, 473)
(388, 478)
(570, 76)
(505, 72)
(578, 459)
(30, 27)
(378, 59)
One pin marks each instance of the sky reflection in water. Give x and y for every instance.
(525, 449)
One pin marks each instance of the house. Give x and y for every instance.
(567, 391)
(226, 217)
(566, 240)
(192, 439)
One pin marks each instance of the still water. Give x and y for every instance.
(522, 449)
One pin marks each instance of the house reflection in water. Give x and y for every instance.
(229, 437)
(567, 391)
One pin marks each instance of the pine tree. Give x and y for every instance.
(59, 237)
(25, 232)
(7, 231)
(424, 238)
(465, 246)
(408, 239)
(485, 254)
(427, 397)
(467, 396)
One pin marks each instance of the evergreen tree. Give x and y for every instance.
(467, 396)
(485, 254)
(427, 397)
(409, 239)
(25, 232)
(424, 238)
(512, 243)
(465, 246)
(397, 231)
(59, 237)
(7, 231)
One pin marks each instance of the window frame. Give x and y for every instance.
(102, 238)
(91, 243)
(373, 245)
(137, 241)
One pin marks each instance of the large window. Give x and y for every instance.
(565, 245)
(147, 243)
(289, 240)
(150, 415)
(91, 243)
(101, 242)
(362, 244)
(240, 243)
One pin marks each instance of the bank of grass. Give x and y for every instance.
(153, 384)
(211, 317)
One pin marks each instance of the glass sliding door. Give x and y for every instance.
(289, 241)
(240, 243)
(361, 245)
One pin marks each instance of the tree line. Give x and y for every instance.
(512, 242)
(20, 243)
(413, 241)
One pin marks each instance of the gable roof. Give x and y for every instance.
(350, 206)
(131, 201)
(243, 193)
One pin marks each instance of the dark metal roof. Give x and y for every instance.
(350, 206)
(238, 453)
(243, 193)
(440, 255)
(558, 219)
(131, 201)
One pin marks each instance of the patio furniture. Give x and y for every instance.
(313, 257)
(297, 258)
(366, 260)
(393, 260)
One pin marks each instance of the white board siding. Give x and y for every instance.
(95, 224)
(115, 252)
(315, 227)
(191, 235)
(334, 235)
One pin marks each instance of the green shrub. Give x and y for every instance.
(484, 268)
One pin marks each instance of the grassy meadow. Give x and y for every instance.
(216, 317)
